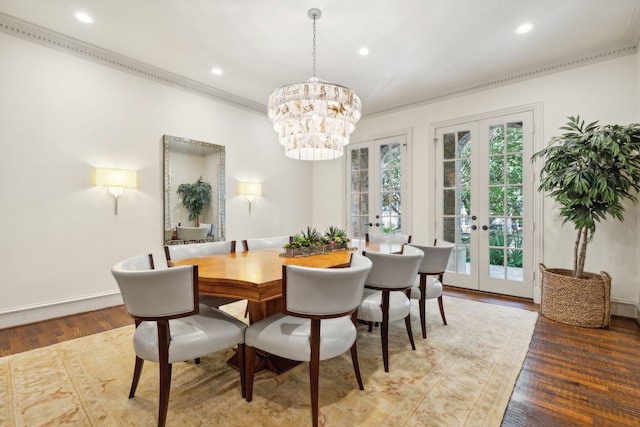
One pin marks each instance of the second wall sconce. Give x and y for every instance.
(249, 190)
(116, 181)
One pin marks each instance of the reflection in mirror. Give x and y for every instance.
(185, 161)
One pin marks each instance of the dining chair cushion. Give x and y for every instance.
(434, 288)
(288, 336)
(388, 238)
(191, 337)
(191, 233)
(265, 243)
(154, 293)
(197, 250)
(141, 262)
(394, 271)
(336, 295)
(369, 310)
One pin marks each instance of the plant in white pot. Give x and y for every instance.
(590, 171)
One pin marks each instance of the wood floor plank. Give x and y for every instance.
(571, 376)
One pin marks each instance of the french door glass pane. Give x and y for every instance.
(390, 185)
(359, 191)
(456, 193)
(505, 201)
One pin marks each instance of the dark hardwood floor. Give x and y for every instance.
(571, 376)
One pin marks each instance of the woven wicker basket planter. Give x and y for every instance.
(580, 302)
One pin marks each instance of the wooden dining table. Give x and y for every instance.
(256, 276)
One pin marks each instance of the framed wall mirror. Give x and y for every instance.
(187, 161)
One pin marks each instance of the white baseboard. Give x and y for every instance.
(36, 313)
(625, 309)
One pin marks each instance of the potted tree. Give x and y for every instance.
(589, 170)
(195, 197)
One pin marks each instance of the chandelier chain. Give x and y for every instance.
(314, 46)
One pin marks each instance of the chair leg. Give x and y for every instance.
(354, 356)
(384, 330)
(165, 389)
(136, 376)
(249, 369)
(243, 369)
(407, 322)
(423, 304)
(314, 369)
(164, 336)
(444, 319)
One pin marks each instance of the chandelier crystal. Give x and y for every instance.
(314, 119)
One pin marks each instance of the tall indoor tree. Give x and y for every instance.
(590, 170)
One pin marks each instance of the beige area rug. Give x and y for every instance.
(461, 375)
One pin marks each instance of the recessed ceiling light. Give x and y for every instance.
(83, 17)
(217, 71)
(363, 51)
(524, 28)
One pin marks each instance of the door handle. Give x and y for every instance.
(484, 227)
(377, 224)
(370, 225)
(474, 227)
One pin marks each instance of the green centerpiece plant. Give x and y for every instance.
(590, 171)
(312, 242)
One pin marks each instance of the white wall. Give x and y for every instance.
(62, 116)
(607, 91)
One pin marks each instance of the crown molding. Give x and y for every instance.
(45, 37)
(479, 86)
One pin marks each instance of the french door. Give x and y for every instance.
(484, 191)
(377, 188)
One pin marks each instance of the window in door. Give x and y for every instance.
(377, 188)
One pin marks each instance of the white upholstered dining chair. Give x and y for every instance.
(317, 321)
(386, 294)
(171, 325)
(428, 283)
(191, 233)
(387, 238)
(197, 250)
(265, 242)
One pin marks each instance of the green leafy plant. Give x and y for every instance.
(312, 237)
(195, 197)
(589, 171)
(336, 236)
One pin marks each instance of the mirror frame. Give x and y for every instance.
(170, 142)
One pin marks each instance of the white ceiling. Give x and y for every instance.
(419, 49)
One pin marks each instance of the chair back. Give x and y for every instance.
(155, 294)
(436, 258)
(324, 292)
(395, 271)
(388, 238)
(191, 233)
(140, 262)
(197, 250)
(208, 227)
(265, 242)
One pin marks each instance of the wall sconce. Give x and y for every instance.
(249, 190)
(116, 181)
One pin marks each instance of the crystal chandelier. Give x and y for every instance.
(314, 119)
